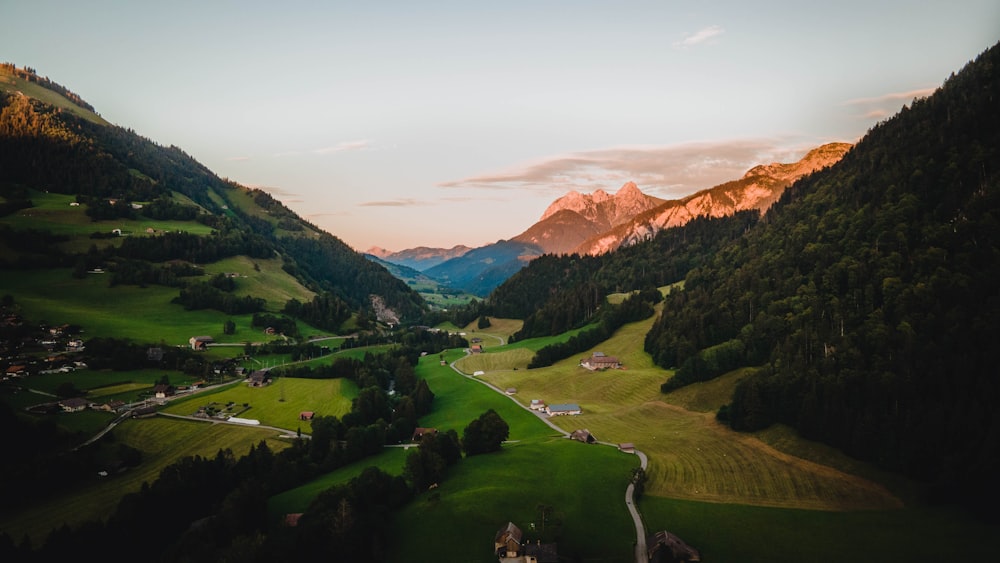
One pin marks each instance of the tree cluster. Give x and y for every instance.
(634, 308)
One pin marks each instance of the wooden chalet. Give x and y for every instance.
(598, 361)
(507, 543)
(664, 547)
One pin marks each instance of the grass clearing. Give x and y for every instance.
(691, 455)
(279, 403)
(161, 441)
(754, 534)
(482, 493)
(56, 297)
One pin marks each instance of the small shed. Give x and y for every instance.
(583, 435)
(200, 342)
(627, 447)
(306, 415)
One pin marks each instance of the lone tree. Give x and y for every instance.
(485, 434)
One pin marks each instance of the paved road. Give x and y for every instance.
(640, 529)
(286, 433)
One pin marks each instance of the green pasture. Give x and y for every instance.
(261, 278)
(390, 460)
(54, 296)
(458, 400)
(584, 484)
(85, 423)
(279, 403)
(162, 441)
(480, 494)
(691, 455)
(106, 382)
(735, 533)
(13, 83)
(54, 212)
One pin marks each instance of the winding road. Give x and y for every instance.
(641, 556)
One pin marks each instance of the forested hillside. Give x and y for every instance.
(868, 296)
(113, 173)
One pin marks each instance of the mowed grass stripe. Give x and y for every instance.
(162, 441)
(691, 456)
(280, 403)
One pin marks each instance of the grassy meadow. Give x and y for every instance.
(279, 403)
(55, 296)
(691, 455)
(161, 441)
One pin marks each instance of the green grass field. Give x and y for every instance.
(13, 83)
(691, 455)
(161, 441)
(280, 403)
(55, 296)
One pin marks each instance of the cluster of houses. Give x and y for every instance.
(59, 342)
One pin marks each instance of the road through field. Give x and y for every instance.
(640, 529)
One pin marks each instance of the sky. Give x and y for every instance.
(406, 124)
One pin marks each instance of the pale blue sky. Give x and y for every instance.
(403, 124)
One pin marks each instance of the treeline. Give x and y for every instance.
(29, 74)
(326, 311)
(201, 249)
(555, 292)
(327, 264)
(635, 307)
(868, 298)
(206, 295)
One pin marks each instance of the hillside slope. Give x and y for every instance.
(869, 296)
(117, 177)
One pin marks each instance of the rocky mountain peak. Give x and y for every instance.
(760, 187)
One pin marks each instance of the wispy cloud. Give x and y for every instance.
(703, 35)
(238, 158)
(359, 145)
(891, 97)
(669, 171)
(880, 107)
(284, 195)
(400, 202)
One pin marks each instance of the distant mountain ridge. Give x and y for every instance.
(758, 189)
(596, 223)
(420, 258)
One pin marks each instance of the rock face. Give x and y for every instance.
(758, 189)
(575, 217)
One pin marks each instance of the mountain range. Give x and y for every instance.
(599, 222)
